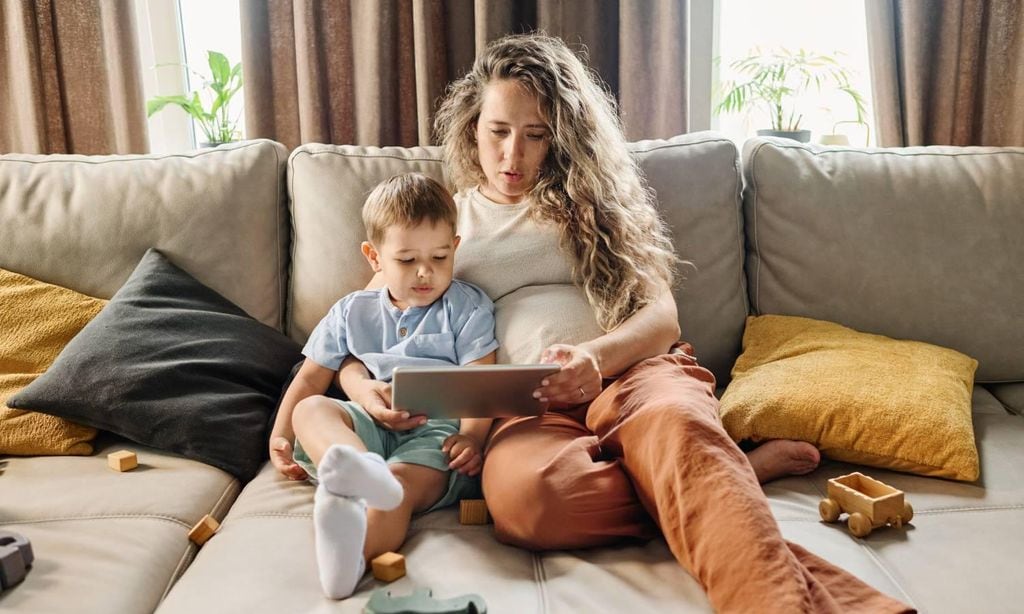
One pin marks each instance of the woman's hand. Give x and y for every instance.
(578, 381)
(281, 456)
(375, 397)
(464, 453)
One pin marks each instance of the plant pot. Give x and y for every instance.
(210, 145)
(835, 139)
(804, 136)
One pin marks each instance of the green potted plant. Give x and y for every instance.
(777, 79)
(217, 124)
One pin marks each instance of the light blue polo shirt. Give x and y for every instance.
(456, 329)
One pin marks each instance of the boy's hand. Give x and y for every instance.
(466, 454)
(375, 397)
(281, 456)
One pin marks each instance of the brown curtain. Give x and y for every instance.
(70, 80)
(371, 72)
(947, 72)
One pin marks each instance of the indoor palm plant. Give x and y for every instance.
(217, 124)
(775, 82)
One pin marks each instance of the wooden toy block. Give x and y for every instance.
(388, 567)
(473, 511)
(204, 530)
(869, 502)
(122, 460)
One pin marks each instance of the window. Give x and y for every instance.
(175, 33)
(835, 29)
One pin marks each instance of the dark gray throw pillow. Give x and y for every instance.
(171, 364)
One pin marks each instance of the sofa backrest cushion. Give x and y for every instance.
(696, 178)
(84, 222)
(919, 243)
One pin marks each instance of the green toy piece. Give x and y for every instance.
(422, 602)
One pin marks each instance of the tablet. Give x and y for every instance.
(479, 391)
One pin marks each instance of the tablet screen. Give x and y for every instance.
(479, 391)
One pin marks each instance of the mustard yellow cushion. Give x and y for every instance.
(36, 322)
(859, 398)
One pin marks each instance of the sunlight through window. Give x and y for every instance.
(834, 29)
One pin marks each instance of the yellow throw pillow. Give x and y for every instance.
(860, 398)
(36, 322)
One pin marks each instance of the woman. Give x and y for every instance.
(557, 224)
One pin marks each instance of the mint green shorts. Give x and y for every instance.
(419, 446)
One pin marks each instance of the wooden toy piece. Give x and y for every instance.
(869, 502)
(473, 511)
(122, 460)
(421, 601)
(15, 558)
(388, 567)
(203, 530)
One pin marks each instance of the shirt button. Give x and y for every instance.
(402, 331)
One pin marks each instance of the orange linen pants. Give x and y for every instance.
(653, 447)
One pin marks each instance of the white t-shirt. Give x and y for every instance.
(518, 263)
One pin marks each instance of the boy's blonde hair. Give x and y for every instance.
(407, 200)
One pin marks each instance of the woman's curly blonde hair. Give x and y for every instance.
(590, 187)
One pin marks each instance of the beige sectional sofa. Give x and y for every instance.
(915, 243)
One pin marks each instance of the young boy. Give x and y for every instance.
(371, 479)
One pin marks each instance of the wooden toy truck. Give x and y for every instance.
(870, 503)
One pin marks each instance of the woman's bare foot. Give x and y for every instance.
(778, 458)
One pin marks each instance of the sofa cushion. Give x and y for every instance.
(119, 565)
(860, 398)
(36, 322)
(172, 364)
(106, 541)
(164, 485)
(981, 522)
(1010, 395)
(83, 222)
(232, 573)
(918, 243)
(695, 177)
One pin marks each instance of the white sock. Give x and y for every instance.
(348, 472)
(340, 525)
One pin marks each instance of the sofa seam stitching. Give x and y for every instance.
(345, 154)
(244, 516)
(220, 500)
(888, 572)
(289, 303)
(132, 157)
(170, 519)
(259, 515)
(669, 145)
(950, 510)
(187, 556)
(756, 307)
(894, 153)
(927, 512)
(281, 272)
(540, 580)
(740, 240)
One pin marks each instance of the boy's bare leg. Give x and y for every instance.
(351, 479)
(319, 423)
(779, 458)
(386, 530)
